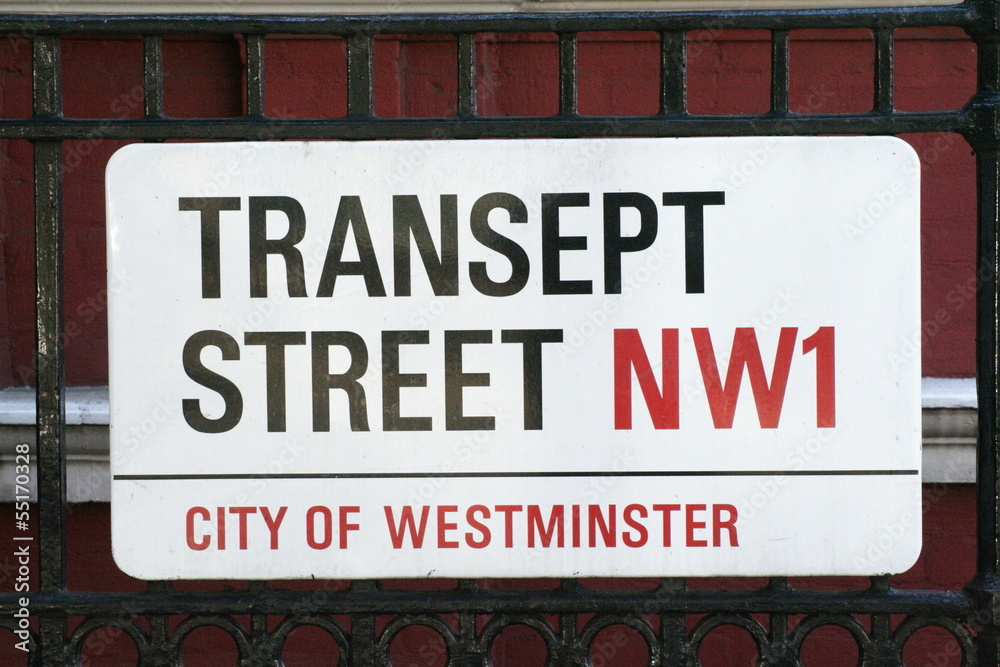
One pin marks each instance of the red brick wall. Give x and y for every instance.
(729, 73)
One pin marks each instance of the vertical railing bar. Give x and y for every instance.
(673, 627)
(360, 76)
(155, 655)
(568, 641)
(673, 73)
(568, 650)
(985, 142)
(467, 95)
(46, 76)
(884, 70)
(567, 73)
(881, 624)
(988, 391)
(778, 622)
(466, 651)
(49, 371)
(152, 47)
(50, 382)
(363, 638)
(779, 71)
(255, 75)
(261, 647)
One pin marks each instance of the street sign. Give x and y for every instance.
(491, 358)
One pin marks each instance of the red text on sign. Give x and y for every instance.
(722, 392)
(205, 528)
(562, 526)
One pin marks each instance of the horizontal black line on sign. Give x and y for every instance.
(478, 475)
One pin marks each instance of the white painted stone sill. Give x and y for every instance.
(949, 436)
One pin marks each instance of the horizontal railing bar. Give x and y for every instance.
(241, 128)
(279, 602)
(769, 19)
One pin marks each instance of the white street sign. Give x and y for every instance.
(593, 357)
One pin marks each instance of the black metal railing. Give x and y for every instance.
(468, 618)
